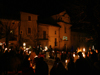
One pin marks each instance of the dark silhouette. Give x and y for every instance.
(97, 65)
(82, 66)
(71, 66)
(41, 67)
(58, 68)
(26, 69)
(54, 68)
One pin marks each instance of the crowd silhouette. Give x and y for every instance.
(16, 62)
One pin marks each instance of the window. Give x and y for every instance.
(21, 32)
(65, 29)
(29, 30)
(55, 32)
(44, 34)
(55, 41)
(65, 38)
(11, 31)
(29, 18)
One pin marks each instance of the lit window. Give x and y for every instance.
(65, 38)
(11, 31)
(29, 30)
(29, 18)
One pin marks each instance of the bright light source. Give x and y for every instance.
(84, 49)
(66, 61)
(27, 48)
(24, 44)
(29, 52)
(46, 48)
(0, 43)
(24, 47)
(31, 64)
(79, 50)
(74, 55)
(5, 49)
(11, 31)
(96, 51)
(83, 54)
(91, 52)
(93, 47)
(9, 49)
(62, 51)
(36, 56)
(53, 51)
(33, 67)
(29, 59)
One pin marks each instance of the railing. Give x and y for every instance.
(43, 37)
(13, 38)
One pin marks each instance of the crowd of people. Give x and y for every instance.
(17, 62)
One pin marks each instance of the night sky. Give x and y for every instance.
(80, 11)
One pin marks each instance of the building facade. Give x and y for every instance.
(28, 29)
(48, 35)
(63, 20)
(56, 35)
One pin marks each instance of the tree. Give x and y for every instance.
(85, 15)
(7, 31)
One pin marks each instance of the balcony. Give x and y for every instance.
(43, 37)
(13, 38)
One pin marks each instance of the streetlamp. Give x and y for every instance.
(24, 45)
(83, 49)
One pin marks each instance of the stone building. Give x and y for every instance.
(28, 28)
(54, 31)
(57, 30)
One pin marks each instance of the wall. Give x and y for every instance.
(52, 36)
(30, 39)
(67, 34)
(63, 19)
(41, 40)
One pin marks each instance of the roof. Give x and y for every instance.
(63, 21)
(48, 20)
